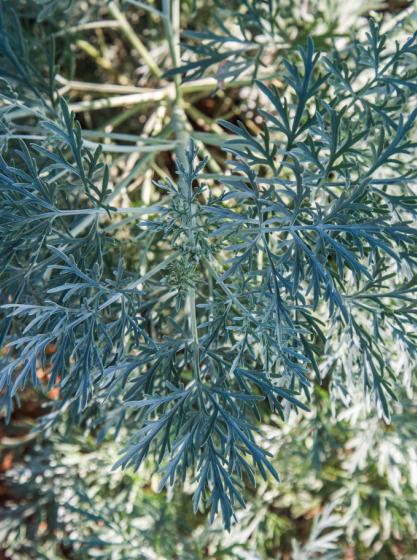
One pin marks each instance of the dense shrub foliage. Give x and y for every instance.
(228, 297)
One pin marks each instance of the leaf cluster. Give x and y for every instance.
(197, 319)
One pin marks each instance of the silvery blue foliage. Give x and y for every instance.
(311, 230)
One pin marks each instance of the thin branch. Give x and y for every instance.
(167, 92)
(130, 34)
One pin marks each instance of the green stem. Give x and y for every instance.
(130, 34)
(94, 53)
(123, 116)
(171, 11)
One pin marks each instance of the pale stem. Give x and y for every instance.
(108, 23)
(153, 96)
(122, 100)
